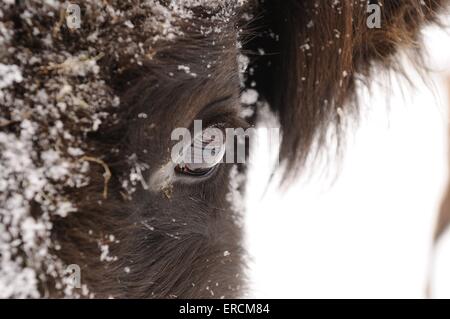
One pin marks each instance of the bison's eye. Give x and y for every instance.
(204, 154)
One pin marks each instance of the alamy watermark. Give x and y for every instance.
(73, 276)
(374, 18)
(73, 16)
(216, 144)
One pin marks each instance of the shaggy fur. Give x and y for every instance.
(185, 241)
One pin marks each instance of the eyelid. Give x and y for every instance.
(211, 107)
(223, 110)
(227, 120)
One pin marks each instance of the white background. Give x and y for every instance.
(369, 233)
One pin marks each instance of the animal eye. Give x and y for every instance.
(205, 154)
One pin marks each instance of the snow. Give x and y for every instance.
(187, 70)
(9, 74)
(235, 195)
(80, 65)
(249, 96)
(105, 255)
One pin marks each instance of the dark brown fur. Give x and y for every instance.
(173, 240)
